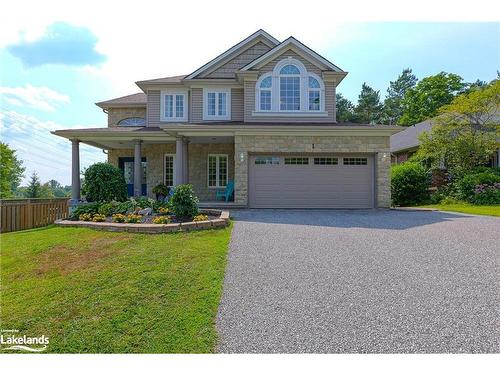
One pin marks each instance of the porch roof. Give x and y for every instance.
(122, 137)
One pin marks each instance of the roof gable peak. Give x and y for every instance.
(260, 35)
(292, 43)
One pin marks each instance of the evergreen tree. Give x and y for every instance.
(369, 108)
(34, 188)
(395, 94)
(345, 109)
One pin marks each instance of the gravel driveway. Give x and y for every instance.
(361, 281)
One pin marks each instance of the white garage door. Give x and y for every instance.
(311, 181)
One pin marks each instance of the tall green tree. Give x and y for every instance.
(34, 188)
(465, 132)
(369, 108)
(423, 101)
(11, 171)
(393, 109)
(345, 109)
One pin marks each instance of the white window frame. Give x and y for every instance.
(216, 91)
(304, 92)
(165, 169)
(217, 177)
(174, 93)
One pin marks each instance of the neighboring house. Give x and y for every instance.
(261, 114)
(405, 143)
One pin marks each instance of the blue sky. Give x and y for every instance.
(52, 74)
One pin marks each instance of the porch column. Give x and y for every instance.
(137, 169)
(75, 172)
(185, 160)
(179, 161)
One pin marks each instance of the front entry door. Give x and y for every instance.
(127, 166)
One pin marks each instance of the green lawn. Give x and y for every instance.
(103, 292)
(467, 208)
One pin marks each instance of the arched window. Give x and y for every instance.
(132, 121)
(314, 94)
(290, 88)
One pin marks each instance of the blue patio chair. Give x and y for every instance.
(227, 193)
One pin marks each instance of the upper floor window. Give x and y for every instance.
(290, 88)
(265, 94)
(173, 106)
(217, 104)
(132, 121)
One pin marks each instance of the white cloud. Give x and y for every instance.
(41, 151)
(41, 98)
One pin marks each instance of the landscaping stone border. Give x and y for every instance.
(221, 222)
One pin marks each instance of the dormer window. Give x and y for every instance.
(290, 88)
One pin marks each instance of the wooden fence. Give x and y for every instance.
(20, 214)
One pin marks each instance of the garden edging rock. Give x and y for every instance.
(222, 221)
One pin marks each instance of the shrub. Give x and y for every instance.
(184, 203)
(133, 218)
(200, 217)
(161, 191)
(162, 220)
(98, 218)
(486, 194)
(464, 188)
(108, 209)
(88, 208)
(410, 184)
(124, 207)
(118, 218)
(103, 183)
(85, 217)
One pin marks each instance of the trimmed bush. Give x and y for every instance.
(410, 184)
(104, 183)
(184, 203)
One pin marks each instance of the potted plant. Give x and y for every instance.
(161, 191)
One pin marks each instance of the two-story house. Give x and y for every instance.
(261, 114)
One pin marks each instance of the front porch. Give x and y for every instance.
(150, 157)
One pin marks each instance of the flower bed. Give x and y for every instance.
(146, 224)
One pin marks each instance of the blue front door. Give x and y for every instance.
(127, 166)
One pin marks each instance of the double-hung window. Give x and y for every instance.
(217, 170)
(217, 104)
(173, 106)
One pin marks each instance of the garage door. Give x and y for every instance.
(311, 181)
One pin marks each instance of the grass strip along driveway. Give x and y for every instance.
(467, 208)
(103, 292)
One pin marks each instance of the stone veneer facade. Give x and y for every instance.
(197, 164)
(245, 145)
(378, 145)
(117, 114)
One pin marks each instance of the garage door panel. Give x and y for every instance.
(311, 185)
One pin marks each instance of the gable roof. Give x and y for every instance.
(133, 100)
(408, 138)
(223, 57)
(284, 46)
